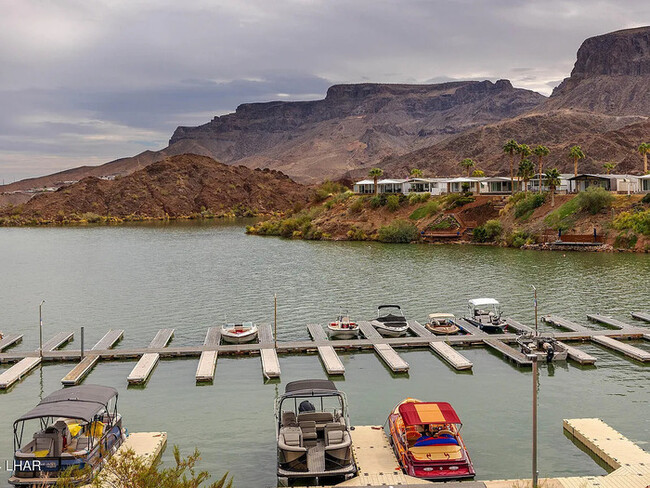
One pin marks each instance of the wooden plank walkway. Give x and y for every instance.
(328, 356)
(418, 329)
(270, 361)
(518, 326)
(449, 354)
(641, 316)
(564, 323)
(208, 361)
(19, 370)
(9, 340)
(508, 351)
(81, 370)
(384, 351)
(469, 328)
(627, 349)
(143, 369)
(612, 322)
(578, 355)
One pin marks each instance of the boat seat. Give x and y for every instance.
(82, 444)
(291, 439)
(289, 419)
(321, 418)
(334, 433)
(43, 444)
(309, 433)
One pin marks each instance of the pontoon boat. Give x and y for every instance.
(427, 442)
(313, 431)
(343, 327)
(239, 333)
(390, 321)
(485, 313)
(442, 324)
(544, 347)
(78, 427)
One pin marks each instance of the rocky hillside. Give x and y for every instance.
(180, 186)
(604, 106)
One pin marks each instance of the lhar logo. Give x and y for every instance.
(34, 465)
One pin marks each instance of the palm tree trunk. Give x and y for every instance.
(376, 189)
(540, 174)
(575, 166)
(512, 174)
(552, 196)
(645, 163)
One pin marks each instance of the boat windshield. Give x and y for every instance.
(384, 310)
(304, 404)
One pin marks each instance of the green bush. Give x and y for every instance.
(392, 202)
(638, 222)
(524, 207)
(357, 206)
(646, 199)
(488, 232)
(378, 201)
(415, 198)
(400, 231)
(356, 234)
(455, 200)
(519, 237)
(427, 210)
(594, 199)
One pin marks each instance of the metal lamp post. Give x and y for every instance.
(533, 358)
(40, 329)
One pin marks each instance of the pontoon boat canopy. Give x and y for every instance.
(428, 413)
(78, 402)
(309, 387)
(479, 302)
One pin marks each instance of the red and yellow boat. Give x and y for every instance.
(427, 442)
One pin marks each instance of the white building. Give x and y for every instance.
(644, 183)
(614, 183)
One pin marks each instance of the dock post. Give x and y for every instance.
(275, 320)
(40, 329)
(533, 358)
(82, 342)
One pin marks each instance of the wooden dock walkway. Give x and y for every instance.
(564, 323)
(331, 361)
(469, 328)
(627, 349)
(418, 329)
(81, 370)
(449, 354)
(383, 350)
(143, 369)
(508, 352)
(612, 322)
(645, 316)
(25, 365)
(518, 326)
(9, 340)
(270, 361)
(578, 355)
(208, 361)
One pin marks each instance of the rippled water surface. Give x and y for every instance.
(192, 276)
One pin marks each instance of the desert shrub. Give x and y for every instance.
(326, 190)
(488, 232)
(356, 234)
(357, 206)
(427, 210)
(564, 217)
(594, 199)
(455, 200)
(91, 217)
(378, 201)
(625, 241)
(646, 199)
(638, 222)
(525, 206)
(392, 203)
(400, 231)
(519, 237)
(415, 198)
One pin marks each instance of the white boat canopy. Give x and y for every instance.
(481, 302)
(442, 316)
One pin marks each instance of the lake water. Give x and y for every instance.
(190, 276)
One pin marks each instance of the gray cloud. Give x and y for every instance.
(86, 82)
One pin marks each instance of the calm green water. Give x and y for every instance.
(192, 276)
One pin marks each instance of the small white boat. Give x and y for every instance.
(343, 327)
(239, 333)
(390, 321)
(442, 324)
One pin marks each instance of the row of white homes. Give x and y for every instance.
(501, 185)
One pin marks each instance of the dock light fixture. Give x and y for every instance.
(40, 329)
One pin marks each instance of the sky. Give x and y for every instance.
(84, 83)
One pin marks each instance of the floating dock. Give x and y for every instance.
(208, 360)
(25, 365)
(564, 323)
(626, 349)
(331, 361)
(141, 372)
(509, 352)
(383, 350)
(519, 327)
(604, 319)
(578, 355)
(270, 361)
(9, 340)
(641, 316)
(449, 354)
(81, 370)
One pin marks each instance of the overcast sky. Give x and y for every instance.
(86, 82)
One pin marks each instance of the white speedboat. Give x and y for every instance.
(239, 333)
(343, 327)
(390, 321)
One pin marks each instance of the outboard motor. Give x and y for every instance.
(550, 353)
(306, 406)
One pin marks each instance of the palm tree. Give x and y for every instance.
(510, 147)
(552, 178)
(375, 174)
(644, 149)
(524, 151)
(468, 164)
(541, 152)
(576, 153)
(608, 167)
(526, 172)
(416, 173)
